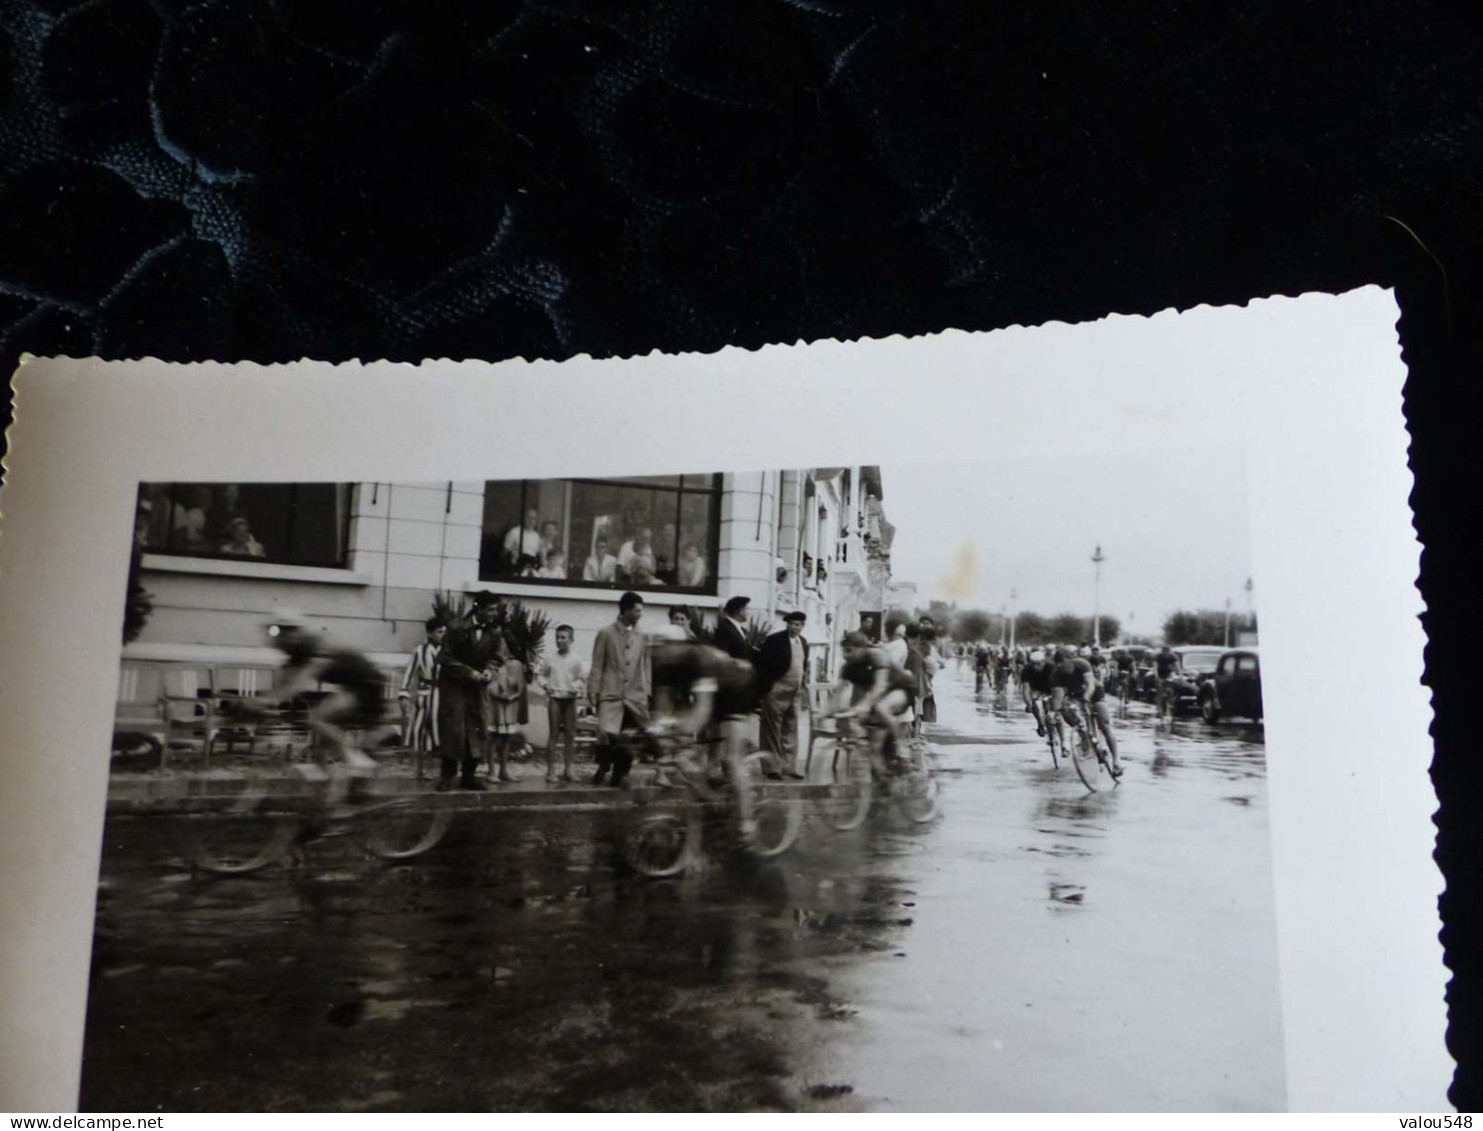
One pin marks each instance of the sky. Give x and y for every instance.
(1172, 526)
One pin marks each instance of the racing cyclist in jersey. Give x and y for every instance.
(1124, 664)
(1035, 684)
(1165, 664)
(880, 692)
(696, 686)
(1072, 682)
(981, 660)
(1001, 669)
(355, 688)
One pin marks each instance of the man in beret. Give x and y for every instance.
(782, 680)
(464, 711)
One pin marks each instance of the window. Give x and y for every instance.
(645, 532)
(285, 523)
(1246, 663)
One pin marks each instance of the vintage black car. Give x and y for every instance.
(1236, 687)
(1197, 663)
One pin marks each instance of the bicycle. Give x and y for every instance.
(856, 781)
(261, 827)
(1039, 705)
(668, 842)
(1087, 754)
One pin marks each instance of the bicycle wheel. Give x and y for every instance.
(777, 820)
(849, 794)
(662, 845)
(1084, 757)
(246, 837)
(400, 830)
(915, 795)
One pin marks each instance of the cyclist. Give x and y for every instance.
(696, 685)
(1072, 681)
(880, 692)
(1165, 664)
(1124, 664)
(981, 660)
(355, 687)
(1035, 684)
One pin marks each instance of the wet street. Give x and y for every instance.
(1035, 947)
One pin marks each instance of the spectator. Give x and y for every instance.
(555, 565)
(641, 545)
(189, 523)
(682, 618)
(731, 631)
(524, 541)
(692, 571)
(418, 693)
(506, 690)
(528, 565)
(601, 566)
(782, 680)
(240, 542)
(463, 707)
(563, 677)
(618, 685)
(550, 540)
(897, 648)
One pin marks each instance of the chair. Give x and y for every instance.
(187, 706)
(137, 711)
(236, 683)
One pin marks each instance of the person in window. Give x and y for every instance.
(642, 543)
(601, 566)
(664, 549)
(550, 539)
(692, 572)
(528, 565)
(190, 521)
(524, 541)
(229, 506)
(555, 566)
(240, 543)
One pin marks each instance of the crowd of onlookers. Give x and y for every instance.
(204, 521)
(628, 555)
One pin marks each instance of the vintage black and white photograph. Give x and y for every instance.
(832, 788)
(853, 727)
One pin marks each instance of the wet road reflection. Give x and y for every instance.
(965, 964)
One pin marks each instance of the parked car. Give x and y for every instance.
(1235, 688)
(1197, 663)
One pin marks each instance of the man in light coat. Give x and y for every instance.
(618, 684)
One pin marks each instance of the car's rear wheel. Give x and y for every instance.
(1210, 711)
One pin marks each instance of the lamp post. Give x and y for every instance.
(1228, 622)
(1097, 559)
(1013, 611)
(1250, 611)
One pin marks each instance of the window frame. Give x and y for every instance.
(268, 559)
(679, 491)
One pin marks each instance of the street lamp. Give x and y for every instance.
(1097, 559)
(1013, 612)
(1228, 622)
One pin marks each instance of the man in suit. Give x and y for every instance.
(464, 712)
(731, 632)
(618, 683)
(782, 680)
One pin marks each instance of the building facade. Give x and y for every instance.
(362, 562)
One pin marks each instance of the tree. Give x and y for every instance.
(1030, 628)
(1111, 627)
(1068, 628)
(138, 604)
(970, 624)
(1196, 626)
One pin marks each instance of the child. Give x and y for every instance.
(506, 688)
(563, 677)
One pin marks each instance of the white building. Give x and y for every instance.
(363, 561)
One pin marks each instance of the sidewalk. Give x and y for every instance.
(184, 791)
